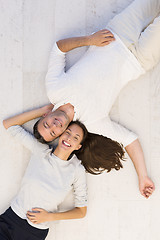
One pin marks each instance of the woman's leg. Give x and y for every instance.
(129, 24)
(5, 228)
(12, 227)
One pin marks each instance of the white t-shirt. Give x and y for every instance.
(47, 180)
(92, 84)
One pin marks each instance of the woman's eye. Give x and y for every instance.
(76, 138)
(67, 133)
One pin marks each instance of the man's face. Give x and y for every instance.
(53, 125)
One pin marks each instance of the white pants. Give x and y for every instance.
(138, 26)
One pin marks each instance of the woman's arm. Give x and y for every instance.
(41, 215)
(135, 152)
(22, 118)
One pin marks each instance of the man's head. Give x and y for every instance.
(51, 126)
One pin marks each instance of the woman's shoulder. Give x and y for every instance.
(77, 163)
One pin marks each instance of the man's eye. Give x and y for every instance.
(52, 134)
(46, 125)
(67, 133)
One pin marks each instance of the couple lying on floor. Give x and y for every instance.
(123, 51)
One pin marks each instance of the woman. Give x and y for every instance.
(50, 175)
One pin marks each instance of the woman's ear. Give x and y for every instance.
(79, 146)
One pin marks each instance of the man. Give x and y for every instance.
(88, 89)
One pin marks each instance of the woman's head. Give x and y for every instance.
(101, 153)
(73, 137)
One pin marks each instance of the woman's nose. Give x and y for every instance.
(69, 138)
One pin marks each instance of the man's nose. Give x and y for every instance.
(54, 124)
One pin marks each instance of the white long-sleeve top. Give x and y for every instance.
(92, 84)
(47, 179)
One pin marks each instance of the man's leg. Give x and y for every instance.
(129, 24)
(147, 49)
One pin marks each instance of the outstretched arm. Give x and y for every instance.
(22, 118)
(135, 152)
(100, 38)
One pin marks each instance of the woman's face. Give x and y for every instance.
(71, 139)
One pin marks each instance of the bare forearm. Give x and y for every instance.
(146, 186)
(100, 38)
(71, 214)
(135, 152)
(68, 44)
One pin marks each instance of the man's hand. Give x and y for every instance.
(146, 186)
(46, 109)
(101, 38)
(38, 215)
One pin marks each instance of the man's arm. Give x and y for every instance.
(22, 118)
(100, 38)
(23, 136)
(55, 76)
(135, 152)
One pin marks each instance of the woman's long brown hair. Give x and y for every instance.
(100, 153)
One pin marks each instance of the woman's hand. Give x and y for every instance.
(101, 38)
(38, 215)
(146, 186)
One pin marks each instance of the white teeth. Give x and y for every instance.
(59, 123)
(67, 144)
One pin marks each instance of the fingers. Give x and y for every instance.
(35, 215)
(104, 43)
(37, 209)
(102, 38)
(32, 217)
(147, 192)
(107, 33)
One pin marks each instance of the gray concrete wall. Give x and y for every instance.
(116, 209)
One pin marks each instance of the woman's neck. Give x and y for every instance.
(61, 154)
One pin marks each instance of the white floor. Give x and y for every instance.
(116, 209)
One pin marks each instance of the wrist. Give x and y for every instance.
(142, 176)
(51, 216)
(88, 40)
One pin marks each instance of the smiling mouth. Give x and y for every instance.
(59, 122)
(66, 144)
